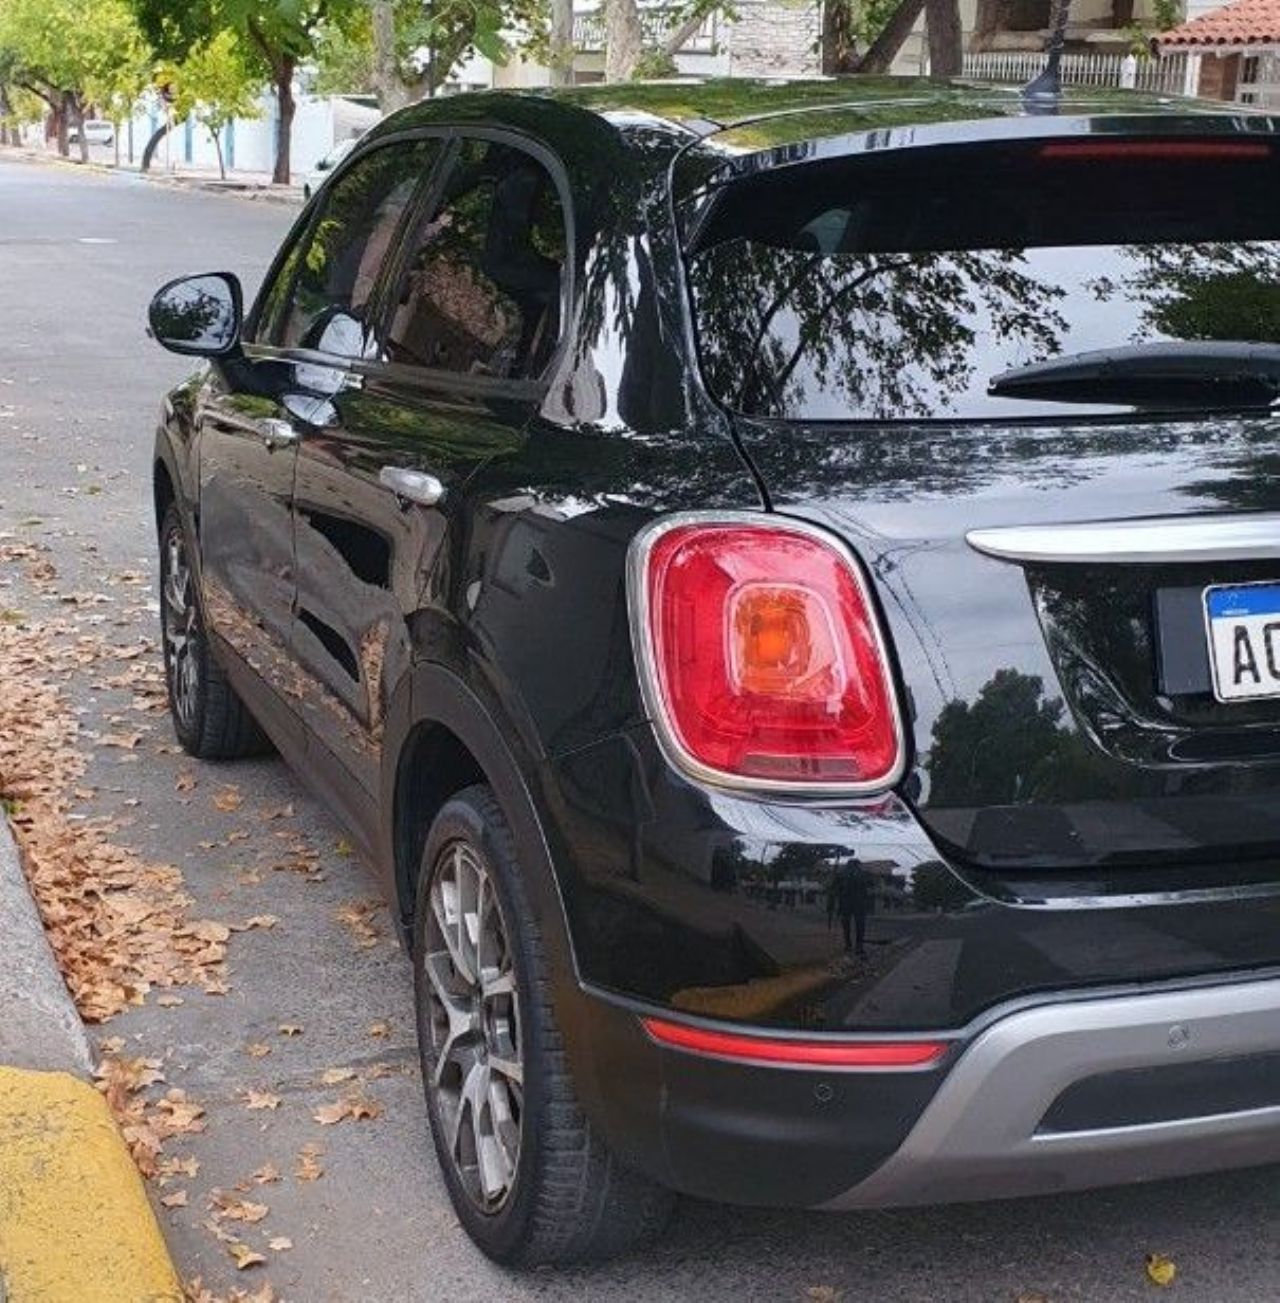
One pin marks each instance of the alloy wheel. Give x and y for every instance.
(180, 627)
(476, 1066)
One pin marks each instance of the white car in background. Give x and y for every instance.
(311, 181)
(97, 131)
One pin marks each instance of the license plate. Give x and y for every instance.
(1244, 640)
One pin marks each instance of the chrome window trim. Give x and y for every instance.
(647, 670)
(1250, 537)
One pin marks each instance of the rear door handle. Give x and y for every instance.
(411, 486)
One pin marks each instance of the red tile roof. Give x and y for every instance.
(1246, 22)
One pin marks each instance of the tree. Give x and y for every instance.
(68, 52)
(623, 39)
(216, 83)
(276, 35)
(560, 46)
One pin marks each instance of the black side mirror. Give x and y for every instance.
(198, 315)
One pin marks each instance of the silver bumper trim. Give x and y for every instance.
(979, 1136)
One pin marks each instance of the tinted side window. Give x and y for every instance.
(337, 266)
(482, 285)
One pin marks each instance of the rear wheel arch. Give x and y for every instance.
(164, 489)
(451, 740)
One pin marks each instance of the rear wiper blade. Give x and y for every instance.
(1193, 373)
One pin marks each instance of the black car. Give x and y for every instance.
(784, 584)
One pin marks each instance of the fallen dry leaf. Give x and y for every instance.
(228, 799)
(354, 1105)
(188, 1166)
(380, 1028)
(236, 1209)
(357, 916)
(336, 1076)
(178, 1199)
(266, 1174)
(244, 1256)
(290, 1029)
(257, 1050)
(264, 921)
(185, 782)
(178, 1114)
(1161, 1270)
(169, 1001)
(308, 1166)
(280, 1243)
(260, 1099)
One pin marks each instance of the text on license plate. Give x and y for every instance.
(1244, 640)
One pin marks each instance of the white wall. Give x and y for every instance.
(319, 122)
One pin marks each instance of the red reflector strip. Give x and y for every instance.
(817, 1054)
(1130, 149)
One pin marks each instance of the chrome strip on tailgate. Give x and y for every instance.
(1171, 538)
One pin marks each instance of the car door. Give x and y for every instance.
(473, 303)
(246, 424)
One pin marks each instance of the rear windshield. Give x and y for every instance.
(898, 286)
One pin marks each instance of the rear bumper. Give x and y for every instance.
(1068, 1094)
(1096, 1092)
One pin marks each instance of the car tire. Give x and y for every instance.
(532, 1182)
(210, 720)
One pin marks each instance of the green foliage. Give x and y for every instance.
(91, 50)
(653, 64)
(216, 82)
(344, 59)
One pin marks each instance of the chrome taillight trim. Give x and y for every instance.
(1251, 537)
(646, 667)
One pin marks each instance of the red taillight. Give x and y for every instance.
(765, 661)
(795, 1053)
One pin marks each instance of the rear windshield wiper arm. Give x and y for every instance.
(1193, 373)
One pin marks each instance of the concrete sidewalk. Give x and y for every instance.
(75, 1224)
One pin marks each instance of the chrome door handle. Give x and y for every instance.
(276, 433)
(411, 486)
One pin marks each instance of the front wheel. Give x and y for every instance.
(529, 1179)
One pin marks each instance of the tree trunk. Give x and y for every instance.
(284, 118)
(946, 40)
(75, 112)
(623, 39)
(676, 38)
(217, 145)
(390, 88)
(839, 52)
(60, 128)
(884, 49)
(561, 52)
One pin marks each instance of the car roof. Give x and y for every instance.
(709, 106)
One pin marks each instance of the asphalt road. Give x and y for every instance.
(79, 389)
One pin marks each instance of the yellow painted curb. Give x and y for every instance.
(75, 1225)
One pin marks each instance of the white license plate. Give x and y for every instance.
(1244, 640)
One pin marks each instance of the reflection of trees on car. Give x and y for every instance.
(891, 334)
(1218, 291)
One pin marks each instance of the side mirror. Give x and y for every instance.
(198, 315)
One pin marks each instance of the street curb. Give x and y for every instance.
(75, 1224)
(40, 1028)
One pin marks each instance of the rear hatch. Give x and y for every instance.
(1028, 371)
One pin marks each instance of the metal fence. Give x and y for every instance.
(656, 23)
(1167, 75)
